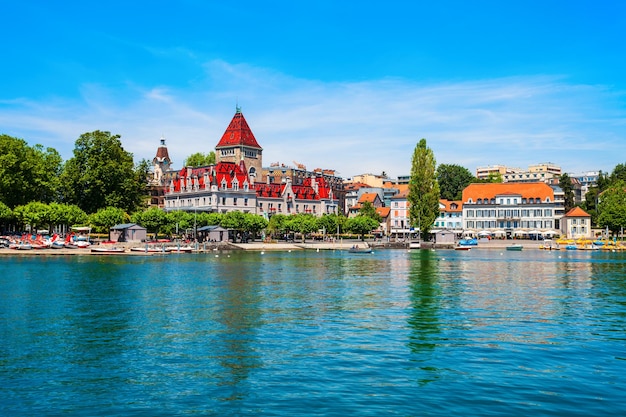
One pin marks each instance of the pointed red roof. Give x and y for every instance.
(238, 133)
(577, 212)
(162, 155)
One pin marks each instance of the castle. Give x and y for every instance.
(238, 182)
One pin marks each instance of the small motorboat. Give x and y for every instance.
(357, 249)
(515, 247)
(462, 247)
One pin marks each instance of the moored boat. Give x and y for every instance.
(515, 247)
(357, 249)
(107, 250)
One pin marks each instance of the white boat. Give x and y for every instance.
(149, 249)
(180, 249)
(515, 247)
(107, 250)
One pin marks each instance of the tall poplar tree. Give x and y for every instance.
(423, 194)
(565, 182)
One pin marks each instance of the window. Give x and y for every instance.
(235, 201)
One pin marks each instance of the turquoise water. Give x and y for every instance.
(326, 333)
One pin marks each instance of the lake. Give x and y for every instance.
(329, 333)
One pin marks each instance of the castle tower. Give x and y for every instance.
(239, 144)
(161, 163)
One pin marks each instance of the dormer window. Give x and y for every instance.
(235, 185)
(224, 184)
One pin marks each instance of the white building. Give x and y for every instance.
(514, 209)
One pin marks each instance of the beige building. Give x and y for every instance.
(576, 224)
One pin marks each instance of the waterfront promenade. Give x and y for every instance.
(275, 246)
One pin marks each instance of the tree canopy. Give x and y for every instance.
(423, 194)
(27, 173)
(452, 179)
(612, 207)
(565, 182)
(199, 159)
(102, 174)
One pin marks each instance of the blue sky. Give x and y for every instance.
(347, 85)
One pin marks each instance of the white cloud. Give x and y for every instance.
(353, 127)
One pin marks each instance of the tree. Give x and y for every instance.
(452, 179)
(27, 173)
(565, 182)
(361, 225)
(177, 222)
(254, 223)
(152, 219)
(233, 220)
(423, 194)
(303, 223)
(105, 218)
(331, 223)
(199, 159)
(102, 174)
(6, 215)
(619, 173)
(368, 209)
(612, 207)
(66, 215)
(34, 214)
(277, 224)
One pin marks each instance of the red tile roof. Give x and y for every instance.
(238, 133)
(383, 211)
(448, 205)
(226, 171)
(577, 212)
(539, 190)
(368, 197)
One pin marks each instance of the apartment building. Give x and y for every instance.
(513, 209)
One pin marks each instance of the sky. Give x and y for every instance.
(345, 85)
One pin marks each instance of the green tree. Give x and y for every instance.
(152, 219)
(612, 207)
(234, 220)
(199, 159)
(368, 209)
(102, 174)
(361, 225)
(619, 173)
(254, 223)
(452, 179)
(209, 219)
(565, 182)
(277, 224)
(107, 217)
(6, 214)
(423, 194)
(35, 214)
(332, 223)
(27, 173)
(67, 215)
(178, 222)
(303, 223)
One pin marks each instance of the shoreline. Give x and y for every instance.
(262, 246)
